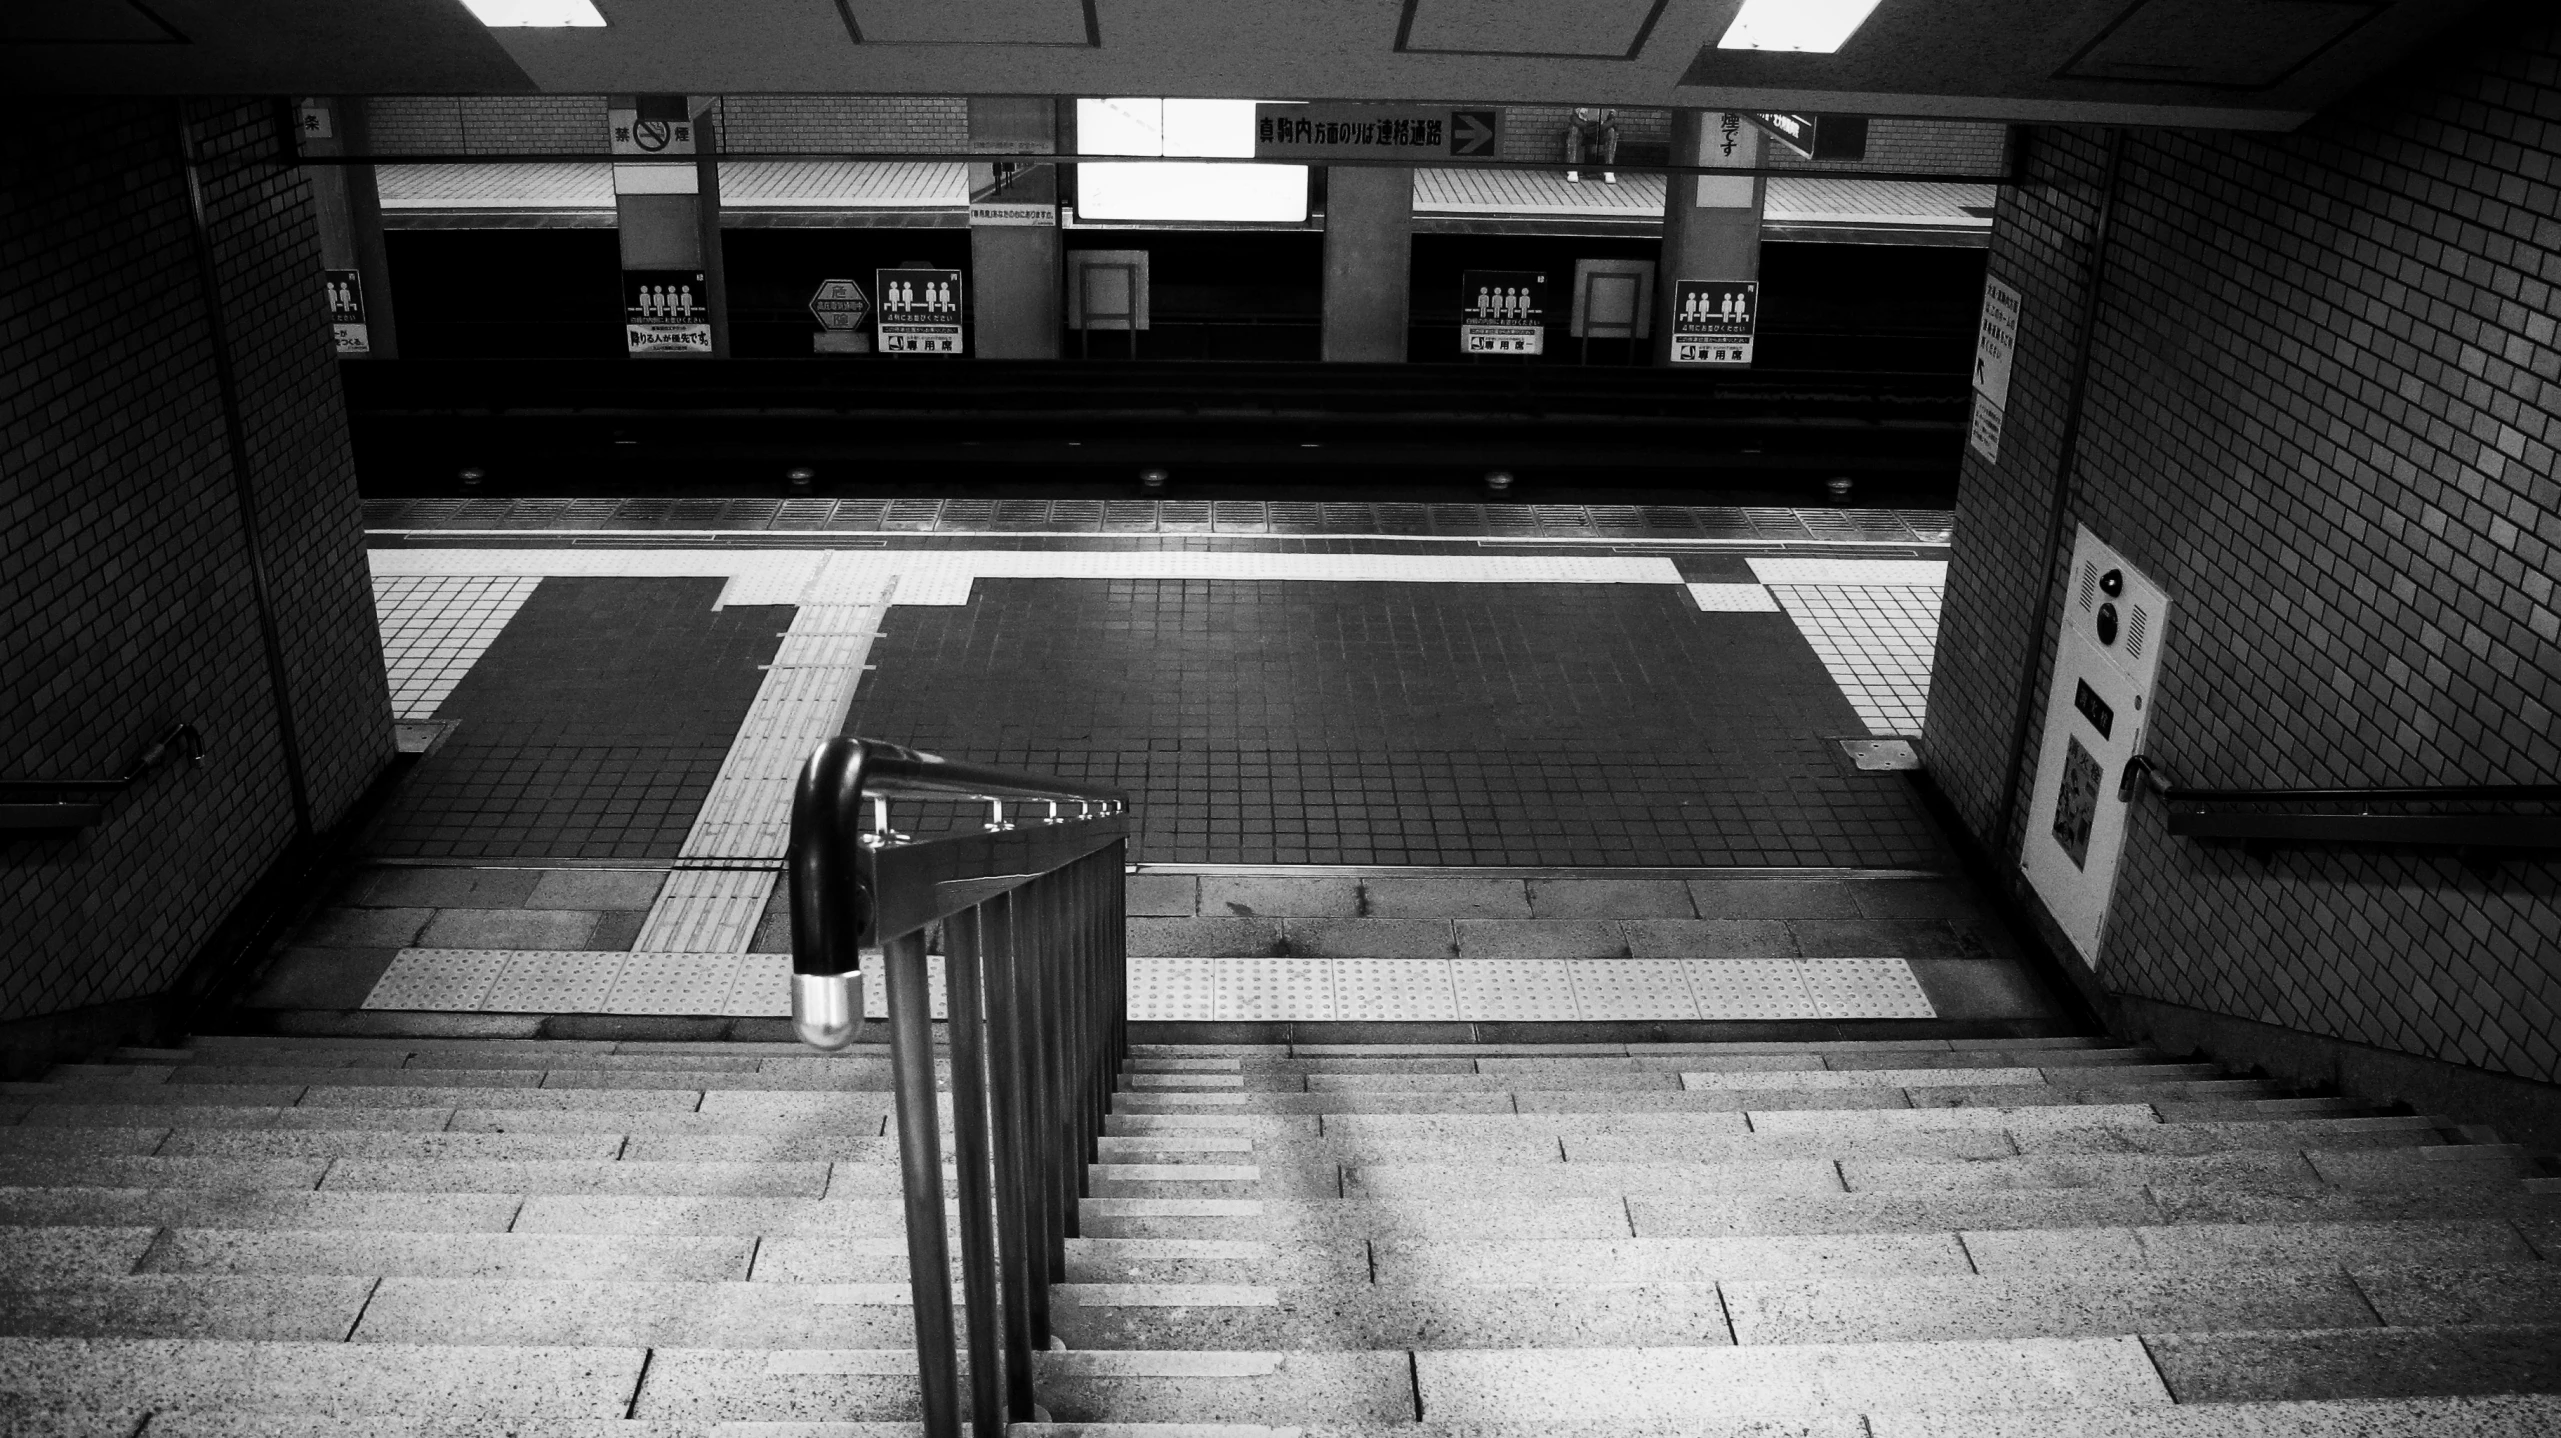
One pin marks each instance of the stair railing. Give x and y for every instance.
(40, 806)
(2348, 816)
(1031, 913)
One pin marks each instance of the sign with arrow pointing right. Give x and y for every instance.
(1419, 133)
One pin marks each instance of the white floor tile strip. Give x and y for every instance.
(1197, 990)
(1876, 640)
(1733, 599)
(435, 627)
(766, 576)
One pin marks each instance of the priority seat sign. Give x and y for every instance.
(1713, 321)
(666, 312)
(919, 311)
(1502, 312)
(347, 312)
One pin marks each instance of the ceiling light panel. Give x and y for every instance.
(535, 14)
(1814, 26)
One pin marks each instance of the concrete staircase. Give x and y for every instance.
(1915, 1239)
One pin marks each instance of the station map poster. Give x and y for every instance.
(347, 312)
(1713, 321)
(1502, 312)
(1994, 345)
(1323, 132)
(919, 311)
(666, 312)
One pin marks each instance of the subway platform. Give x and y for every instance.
(1618, 771)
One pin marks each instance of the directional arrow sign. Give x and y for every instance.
(1400, 133)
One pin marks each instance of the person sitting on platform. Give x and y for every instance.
(1595, 132)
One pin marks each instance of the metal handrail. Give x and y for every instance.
(37, 804)
(1036, 979)
(2303, 822)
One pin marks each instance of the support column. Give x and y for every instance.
(658, 214)
(348, 207)
(1711, 223)
(1014, 243)
(706, 112)
(1369, 255)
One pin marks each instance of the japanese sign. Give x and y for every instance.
(840, 305)
(1383, 132)
(1994, 345)
(1502, 312)
(653, 125)
(1713, 321)
(666, 312)
(347, 312)
(919, 311)
(983, 213)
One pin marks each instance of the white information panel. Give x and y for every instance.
(2114, 622)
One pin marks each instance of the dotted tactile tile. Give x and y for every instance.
(1752, 989)
(449, 980)
(1866, 989)
(1173, 989)
(555, 983)
(1395, 990)
(762, 989)
(876, 990)
(1267, 989)
(1632, 989)
(1523, 989)
(667, 983)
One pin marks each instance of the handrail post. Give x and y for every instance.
(911, 1062)
(1026, 1315)
(971, 1169)
(1040, 1090)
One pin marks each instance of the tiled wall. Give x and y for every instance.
(125, 601)
(486, 124)
(2322, 411)
(911, 124)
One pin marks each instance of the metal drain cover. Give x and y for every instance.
(1880, 756)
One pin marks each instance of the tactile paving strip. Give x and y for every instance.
(1513, 989)
(1194, 990)
(1866, 989)
(876, 990)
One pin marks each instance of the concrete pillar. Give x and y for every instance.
(348, 207)
(1014, 242)
(658, 214)
(1369, 250)
(1711, 223)
(706, 112)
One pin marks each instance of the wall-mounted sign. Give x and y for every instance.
(652, 125)
(347, 312)
(1713, 321)
(1818, 137)
(666, 312)
(1378, 132)
(1502, 312)
(1994, 345)
(919, 311)
(983, 213)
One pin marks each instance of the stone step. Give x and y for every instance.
(863, 1078)
(1766, 1214)
(1676, 1074)
(254, 1209)
(742, 1315)
(1309, 1389)
(348, 1380)
(1584, 1050)
(2260, 1366)
(1672, 1100)
(255, 1307)
(1668, 1058)
(565, 1257)
(2525, 1415)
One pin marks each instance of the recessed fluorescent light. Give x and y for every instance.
(1820, 26)
(534, 14)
